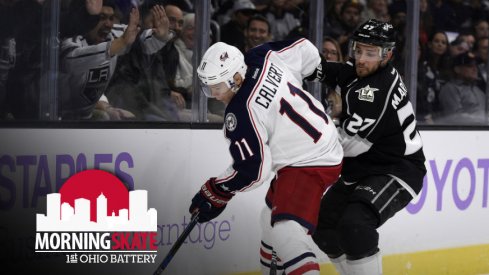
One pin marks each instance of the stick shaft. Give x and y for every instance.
(177, 244)
(273, 264)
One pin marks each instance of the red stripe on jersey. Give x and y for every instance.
(265, 255)
(226, 178)
(253, 121)
(291, 46)
(305, 268)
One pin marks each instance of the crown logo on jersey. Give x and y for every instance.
(366, 93)
(224, 56)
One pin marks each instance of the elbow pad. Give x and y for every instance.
(319, 73)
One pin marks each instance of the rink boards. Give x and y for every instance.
(443, 231)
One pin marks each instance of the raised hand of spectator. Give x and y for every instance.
(161, 24)
(132, 29)
(129, 36)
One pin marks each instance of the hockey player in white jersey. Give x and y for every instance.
(383, 167)
(277, 133)
(88, 60)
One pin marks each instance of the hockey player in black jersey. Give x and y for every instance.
(383, 166)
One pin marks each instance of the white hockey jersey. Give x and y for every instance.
(272, 123)
(87, 69)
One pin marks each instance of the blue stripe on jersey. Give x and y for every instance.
(298, 259)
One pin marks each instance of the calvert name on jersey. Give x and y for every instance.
(272, 123)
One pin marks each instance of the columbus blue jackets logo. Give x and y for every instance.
(224, 56)
(230, 122)
(366, 93)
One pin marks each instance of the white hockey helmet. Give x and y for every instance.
(218, 66)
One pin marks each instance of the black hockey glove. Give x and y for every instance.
(210, 201)
(318, 74)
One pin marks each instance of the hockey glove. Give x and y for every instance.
(210, 201)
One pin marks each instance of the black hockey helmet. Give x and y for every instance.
(374, 32)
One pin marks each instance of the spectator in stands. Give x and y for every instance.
(232, 32)
(333, 13)
(433, 72)
(24, 79)
(258, 31)
(332, 95)
(7, 51)
(376, 9)
(80, 17)
(350, 19)
(7, 61)
(481, 50)
(223, 10)
(282, 21)
(458, 46)
(139, 83)
(175, 17)
(468, 37)
(184, 45)
(462, 102)
(170, 58)
(88, 62)
(425, 21)
(481, 28)
(451, 15)
(184, 75)
(178, 67)
(397, 11)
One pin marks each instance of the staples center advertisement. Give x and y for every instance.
(91, 201)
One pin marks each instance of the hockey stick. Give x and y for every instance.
(177, 244)
(273, 263)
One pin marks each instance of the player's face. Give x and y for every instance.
(368, 59)
(220, 91)
(104, 27)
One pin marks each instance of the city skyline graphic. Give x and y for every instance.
(63, 217)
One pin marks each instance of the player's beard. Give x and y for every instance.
(363, 70)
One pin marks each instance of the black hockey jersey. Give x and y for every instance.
(377, 129)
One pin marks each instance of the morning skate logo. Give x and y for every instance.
(95, 219)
